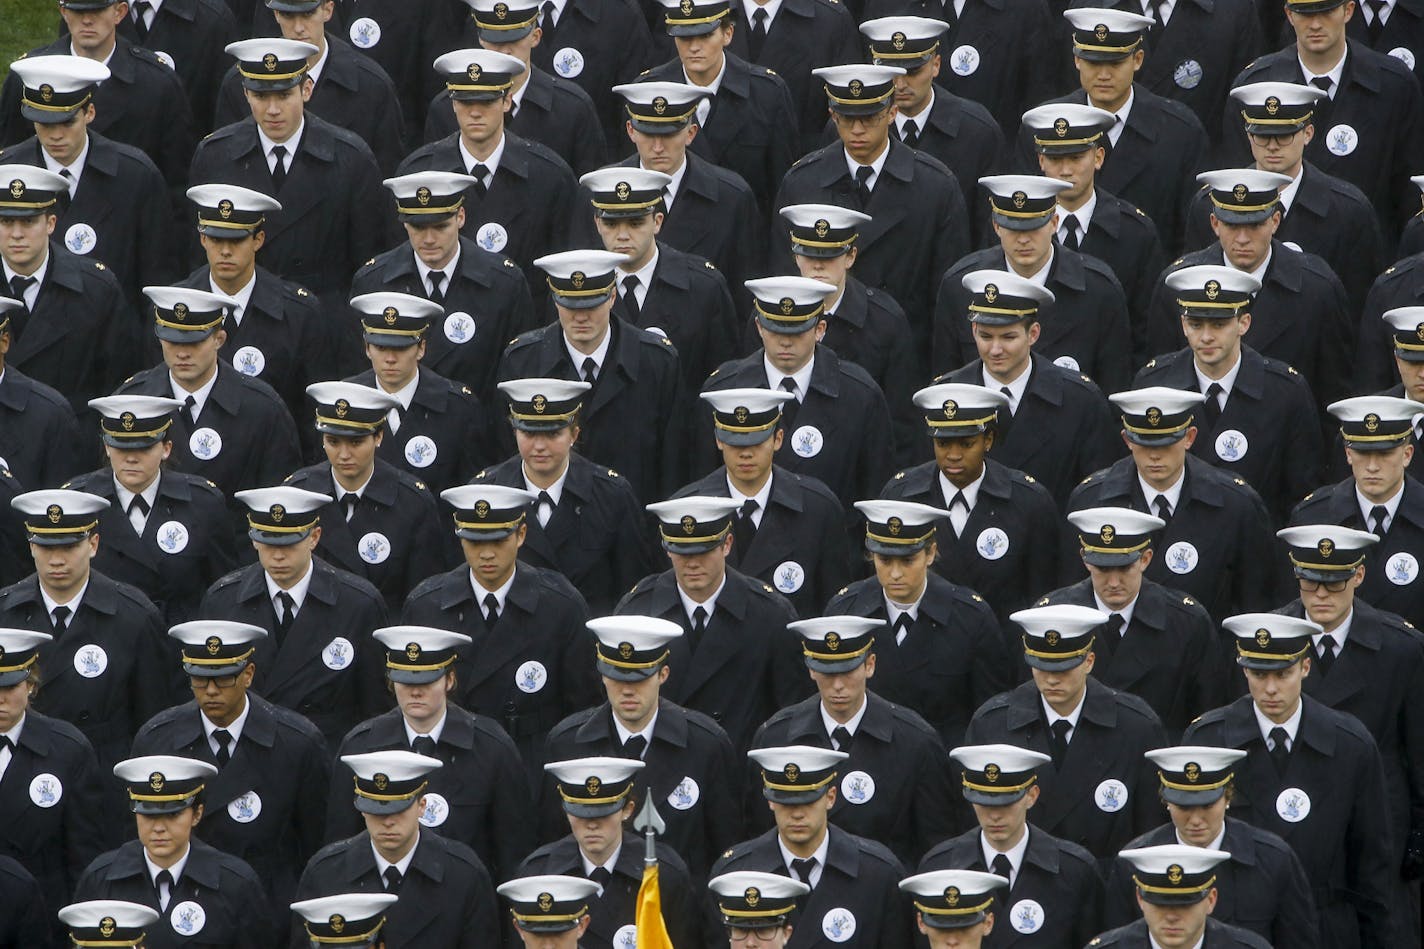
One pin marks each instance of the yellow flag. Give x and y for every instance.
(652, 931)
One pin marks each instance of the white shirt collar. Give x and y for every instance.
(492, 162)
(921, 118)
(851, 726)
(105, 60)
(403, 864)
(555, 490)
(1039, 276)
(243, 296)
(689, 605)
(76, 167)
(644, 275)
(1083, 214)
(771, 7)
(1291, 725)
(1016, 388)
(879, 163)
(1126, 612)
(200, 397)
(175, 871)
(599, 355)
(125, 497)
(314, 72)
(589, 866)
(1383, 15)
(762, 497)
(670, 192)
(290, 144)
(298, 592)
(819, 856)
(1227, 382)
(1260, 272)
(1071, 717)
(802, 376)
(33, 292)
(1173, 494)
(338, 492)
(647, 732)
(712, 87)
(894, 609)
(1156, 945)
(1339, 633)
(73, 604)
(1115, 132)
(1289, 192)
(501, 595)
(1016, 853)
(235, 729)
(405, 393)
(1335, 73)
(970, 491)
(448, 270)
(1391, 505)
(1214, 845)
(14, 733)
(434, 734)
(558, 10)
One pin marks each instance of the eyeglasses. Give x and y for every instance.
(755, 935)
(1264, 141)
(1332, 586)
(200, 683)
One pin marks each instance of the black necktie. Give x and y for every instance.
(1110, 636)
(163, 888)
(699, 626)
(491, 609)
(509, 116)
(186, 412)
(1058, 741)
(60, 620)
(630, 298)
(756, 39)
(1322, 82)
(279, 166)
(862, 183)
(544, 501)
(1280, 755)
(902, 627)
(1211, 408)
(842, 738)
(547, 22)
(481, 173)
(790, 407)
(910, 133)
(958, 501)
(223, 738)
(1001, 866)
(1008, 393)
(139, 505)
(286, 615)
(140, 10)
(635, 746)
(1378, 515)
(1154, 10)
(1163, 508)
(803, 868)
(18, 286)
(590, 370)
(348, 504)
(393, 879)
(437, 294)
(1327, 654)
(1376, 25)
(423, 745)
(1070, 239)
(744, 529)
(601, 876)
(5, 743)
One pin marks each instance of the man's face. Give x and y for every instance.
(546, 454)
(702, 55)
(1119, 586)
(664, 153)
(564, 940)
(192, 364)
(166, 836)
(585, 329)
(521, 49)
(1215, 344)
(1245, 245)
(394, 834)
(492, 561)
(1276, 692)
(843, 693)
(92, 31)
(1199, 826)
(1412, 375)
(287, 563)
(903, 578)
(481, 122)
(789, 352)
(748, 465)
(1176, 927)
(1379, 474)
(970, 937)
(832, 270)
(425, 703)
(803, 824)
(64, 568)
(1028, 251)
(1005, 349)
(598, 836)
(395, 366)
(1064, 690)
(1078, 169)
(65, 140)
(1280, 153)
(222, 698)
(1108, 84)
(135, 468)
(634, 702)
(435, 244)
(1321, 34)
(865, 136)
(1161, 465)
(1003, 824)
(307, 27)
(14, 702)
(912, 90)
(352, 457)
(700, 574)
(1328, 607)
(26, 241)
(961, 460)
(633, 236)
(231, 260)
(279, 113)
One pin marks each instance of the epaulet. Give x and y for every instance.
(1407, 623)
(665, 340)
(1029, 479)
(304, 292)
(509, 263)
(1085, 377)
(1151, 363)
(1292, 371)
(99, 265)
(767, 587)
(612, 473)
(842, 591)
(421, 485)
(645, 72)
(128, 380)
(1239, 481)
(976, 598)
(1042, 602)
(213, 486)
(1177, 261)
(1307, 497)
(465, 390)
(1140, 211)
(1188, 601)
(714, 372)
(899, 475)
(369, 262)
(709, 265)
(769, 72)
(1088, 478)
(288, 478)
(523, 338)
(482, 473)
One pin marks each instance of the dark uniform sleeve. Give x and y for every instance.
(25, 915)
(1114, 348)
(155, 687)
(1368, 856)
(515, 831)
(939, 803)
(282, 454)
(87, 833)
(1148, 811)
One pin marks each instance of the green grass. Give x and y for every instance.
(25, 24)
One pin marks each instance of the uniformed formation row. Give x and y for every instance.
(438, 340)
